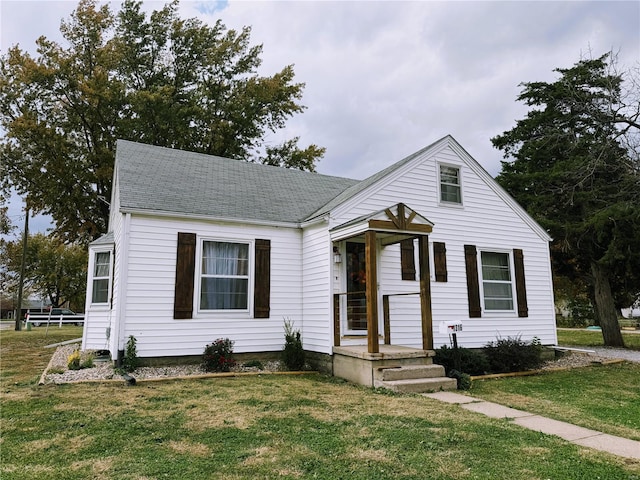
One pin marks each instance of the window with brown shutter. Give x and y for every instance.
(262, 279)
(440, 261)
(473, 286)
(407, 259)
(185, 271)
(521, 288)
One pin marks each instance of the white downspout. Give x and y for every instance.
(120, 322)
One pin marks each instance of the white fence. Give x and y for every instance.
(37, 319)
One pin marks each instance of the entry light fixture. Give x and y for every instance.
(337, 258)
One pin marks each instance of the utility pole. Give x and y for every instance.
(18, 316)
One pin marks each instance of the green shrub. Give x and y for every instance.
(87, 362)
(512, 354)
(472, 362)
(580, 314)
(463, 379)
(130, 360)
(292, 353)
(254, 363)
(218, 356)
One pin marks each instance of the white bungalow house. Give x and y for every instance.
(202, 247)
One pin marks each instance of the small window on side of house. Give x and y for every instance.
(450, 185)
(101, 277)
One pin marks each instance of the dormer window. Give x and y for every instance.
(450, 191)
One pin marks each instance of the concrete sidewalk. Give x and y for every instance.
(585, 437)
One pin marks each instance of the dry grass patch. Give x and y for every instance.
(191, 448)
(100, 468)
(369, 455)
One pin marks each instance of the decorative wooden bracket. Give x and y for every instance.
(400, 221)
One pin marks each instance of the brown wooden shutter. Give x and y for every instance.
(440, 261)
(473, 287)
(521, 288)
(261, 293)
(185, 271)
(407, 259)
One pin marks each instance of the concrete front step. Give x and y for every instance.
(419, 385)
(406, 372)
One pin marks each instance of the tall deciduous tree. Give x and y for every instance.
(573, 166)
(53, 269)
(157, 79)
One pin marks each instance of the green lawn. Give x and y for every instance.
(261, 427)
(604, 398)
(593, 338)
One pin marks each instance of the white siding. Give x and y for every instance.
(317, 314)
(99, 331)
(151, 283)
(484, 220)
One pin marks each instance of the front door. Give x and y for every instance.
(356, 288)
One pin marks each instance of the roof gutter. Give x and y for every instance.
(209, 218)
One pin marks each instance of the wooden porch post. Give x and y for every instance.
(336, 320)
(425, 293)
(371, 291)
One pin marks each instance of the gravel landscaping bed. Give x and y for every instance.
(57, 371)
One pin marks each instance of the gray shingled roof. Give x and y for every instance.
(360, 186)
(158, 179)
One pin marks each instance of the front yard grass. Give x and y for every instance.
(593, 338)
(261, 427)
(604, 398)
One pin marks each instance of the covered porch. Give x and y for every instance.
(366, 363)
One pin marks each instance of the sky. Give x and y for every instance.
(387, 78)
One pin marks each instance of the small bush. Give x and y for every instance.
(218, 356)
(254, 363)
(130, 360)
(73, 360)
(580, 314)
(87, 362)
(292, 353)
(77, 361)
(463, 379)
(472, 362)
(512, 354)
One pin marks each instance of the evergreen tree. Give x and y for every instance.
(573, 166)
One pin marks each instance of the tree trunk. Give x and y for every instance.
(605, 307)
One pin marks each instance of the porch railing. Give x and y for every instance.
(386, 315)
(352, 308)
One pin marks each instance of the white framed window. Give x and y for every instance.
(450, 184)
(497, 281)
(101, 277)
(224, 276)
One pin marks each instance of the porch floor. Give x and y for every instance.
(387, 352)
